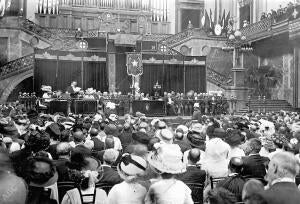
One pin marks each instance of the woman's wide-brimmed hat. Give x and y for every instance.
(167, 159)
(131, 166)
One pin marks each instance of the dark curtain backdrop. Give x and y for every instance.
(94, 74)
(123, 80)
(171, 78)
(195, 78)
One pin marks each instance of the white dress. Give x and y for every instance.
(127, 193)
(73, 196)
(169, 191)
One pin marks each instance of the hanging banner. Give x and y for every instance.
(134, 64)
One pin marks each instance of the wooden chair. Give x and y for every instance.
(215, 181)
(297, 180)
(197, 192)
(63, 187)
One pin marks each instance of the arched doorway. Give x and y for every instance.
(24, 86)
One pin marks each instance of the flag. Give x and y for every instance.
(206, 22)
(212, 26)
(2, 7)
(220, 19)
(223, 19)
(134, 64)
(227, 20)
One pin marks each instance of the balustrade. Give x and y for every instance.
(16, 66)
(144, 5)
(217, 77)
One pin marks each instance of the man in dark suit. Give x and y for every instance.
(63, 151)
(98, 144)
(254, 164)
(72, 89)
(234, 182)
(282, 171)
(110, 175)
(193, 173)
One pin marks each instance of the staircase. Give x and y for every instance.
(14, 72)
(267, 106)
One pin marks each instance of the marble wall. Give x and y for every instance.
(16, 43)
(285, 64)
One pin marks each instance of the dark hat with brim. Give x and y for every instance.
(141, 137)
(196, 139)
(234, 138)
(219, 133)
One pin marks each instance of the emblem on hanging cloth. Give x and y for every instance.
(134, 64)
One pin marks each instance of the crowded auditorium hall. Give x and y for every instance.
(149, 102)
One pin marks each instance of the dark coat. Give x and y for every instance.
(193, 174)
(255, 166)
(283, 193)
(110, 176)
(62, 169)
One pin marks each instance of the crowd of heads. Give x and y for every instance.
(281, 13)
(38, 151)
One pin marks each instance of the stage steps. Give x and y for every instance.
(268, 105)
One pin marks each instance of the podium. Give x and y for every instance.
(57, 106)
(150, 108)
(85, 106)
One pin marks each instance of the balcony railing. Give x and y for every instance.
(16, 66)
(115, 4)
(256, 28)
(37, 29)
(264, 26)
(217, 77)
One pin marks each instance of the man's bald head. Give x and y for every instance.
(78, 136)
(63, 148)
(194, 155)
(93, 132)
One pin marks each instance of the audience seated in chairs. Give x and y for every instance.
(167, 161)
(193, 173)
(234, 182)
(110, 175)
(98, 144)
(87, 174)
(251, 190)
(63, 151)
(130, 169)
(42, 178)
(254, 165)
(282, 171)
(194, 177)
(221, 196)
(13, 189)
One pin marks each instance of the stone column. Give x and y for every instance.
(111, 66)
(238, 90)
(296, 90)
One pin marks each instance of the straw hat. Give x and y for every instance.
(166, 136)
(131, 166)
(167, 159)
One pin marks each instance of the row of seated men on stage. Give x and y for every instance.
(176, 103)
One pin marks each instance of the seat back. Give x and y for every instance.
(63, 187)
(215, 180)
(37, 195)
(197, 192)
(297, 179)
